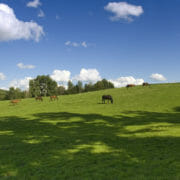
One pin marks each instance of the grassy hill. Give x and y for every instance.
(77, 137)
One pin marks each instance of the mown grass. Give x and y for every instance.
(137, 137)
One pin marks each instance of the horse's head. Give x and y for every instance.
(111, 100)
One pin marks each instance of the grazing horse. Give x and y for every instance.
(15, 101)
(130, 85)
(146, 84)
(53, 98)
(107, 97)
(39, 98)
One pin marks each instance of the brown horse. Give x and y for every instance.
(130, 85)
(146, 84)
(53, 98)
(15, 101)
(39, 98)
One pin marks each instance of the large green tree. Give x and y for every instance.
(42, 86)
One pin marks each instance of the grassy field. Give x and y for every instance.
(137, 137)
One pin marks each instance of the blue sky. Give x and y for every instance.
(123, 41)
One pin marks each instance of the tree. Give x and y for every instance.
(3, 94)
(42, 86)
(103, 84)
(99, 85)
(34, 88)
(70, 87)
(15, 93)
(89, 87)
(11, 93)
(60, 90)
(79, 87)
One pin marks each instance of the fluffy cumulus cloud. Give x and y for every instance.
(61, 76)
(2, 76)
(88, 75)
(76, 44)
(34, 4)
(13, 29)
(123, 81)
(157, 77)
(22, 66)
(21, 83)
(123, 10)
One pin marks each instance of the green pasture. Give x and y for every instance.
(79, 138)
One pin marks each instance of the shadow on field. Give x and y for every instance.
(177, 109)
(89, 146)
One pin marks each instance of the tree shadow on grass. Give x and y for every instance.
(79, 146)
(177, 109)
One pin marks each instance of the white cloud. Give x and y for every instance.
(88, 75)
(61, 75)
(67, 43)
(76, 44)
(13, 29)
(41, 13)
(123, 81)
(158, 77)
(22, 66)
(21, 83)
(4, 88)
(123, 10)
(2, 76)
(84, 44)
(34, 3)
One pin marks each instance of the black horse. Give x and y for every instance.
(107, 97)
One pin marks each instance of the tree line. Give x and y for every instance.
(45, 86)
